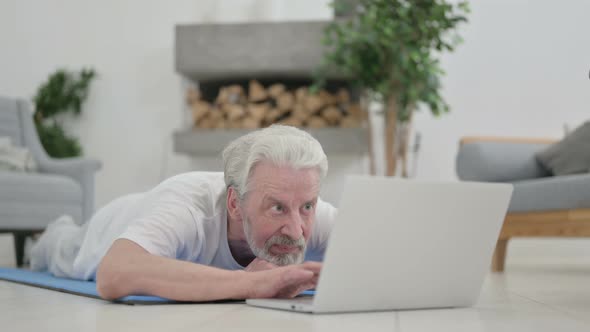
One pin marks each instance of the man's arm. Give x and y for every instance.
(129, 269)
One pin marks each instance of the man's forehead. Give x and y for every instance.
(286, 196)
(282, 191)
(266, 175)
(275, 190)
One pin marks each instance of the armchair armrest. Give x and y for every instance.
(71, 167)
(79, 169)
(500, 159)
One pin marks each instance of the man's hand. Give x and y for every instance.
(286, 281)
(259, 265)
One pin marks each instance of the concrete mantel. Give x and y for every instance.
(203, 143)
(268, 50)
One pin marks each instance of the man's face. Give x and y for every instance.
(278, 212)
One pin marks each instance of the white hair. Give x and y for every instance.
(281, 145)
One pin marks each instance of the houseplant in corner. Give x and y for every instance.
(389, 50)
(64, 92)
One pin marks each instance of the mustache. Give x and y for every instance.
(286, 241)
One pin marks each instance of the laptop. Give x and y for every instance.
(405, 244)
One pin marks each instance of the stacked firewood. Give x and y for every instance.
(262, 106)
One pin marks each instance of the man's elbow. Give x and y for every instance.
(110, 284)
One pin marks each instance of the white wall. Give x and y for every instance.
(522, 71)
(136, 102)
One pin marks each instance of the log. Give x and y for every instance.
(214, 122)
(299, 112)
(343, 96)
(313, 103)
(234, 124)
(225, 108)
(276, 90)
(235, 94)
(235, 112)
(332, 115)
(222, 96)
(349, 122)
(192, 95)
(301, 94)
(258, 111)
(216, 114)
(200, 110)
(356, 111)
(316, 122)
(256, 92)
(286, 101)
(292, 121)
(221, 124)
(327, 98)
(250, 123)
(272, 116)
(206, 123)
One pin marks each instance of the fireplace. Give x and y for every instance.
(251, 75)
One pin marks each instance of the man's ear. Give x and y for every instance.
(233, 204)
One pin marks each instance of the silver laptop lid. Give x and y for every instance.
(404, 244)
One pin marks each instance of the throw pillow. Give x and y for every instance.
(571, 155)
(14, 158)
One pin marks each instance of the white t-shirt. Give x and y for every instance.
(184, 218)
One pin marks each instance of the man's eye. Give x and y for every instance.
(308, 206)
(277, 208)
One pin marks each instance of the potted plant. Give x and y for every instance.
(389, 50)
(64, 92)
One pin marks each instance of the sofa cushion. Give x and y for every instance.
(570, 155)
(499, 161)
(33, 200)
(551, 193)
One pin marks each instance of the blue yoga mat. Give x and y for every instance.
(79, 287)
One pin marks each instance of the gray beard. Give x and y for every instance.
(264, 253)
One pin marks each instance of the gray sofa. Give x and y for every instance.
(541, 205)
(30, 201)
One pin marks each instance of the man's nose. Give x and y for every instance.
(294, 227)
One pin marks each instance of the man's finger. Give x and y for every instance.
(315, 267)
(303, 288)
(299, 276)
(315, 279)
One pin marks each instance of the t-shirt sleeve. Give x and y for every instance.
(324, 221)
(167, 227)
